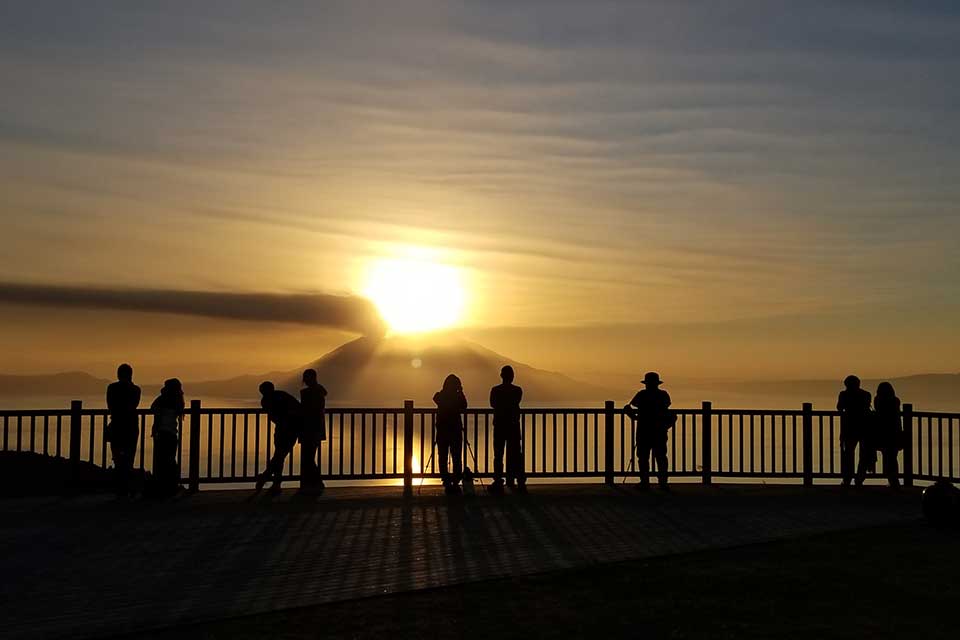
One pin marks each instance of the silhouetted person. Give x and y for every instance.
(451, 403)
(653, 417)
(889, 428)
(313, 401)
(853, 403)
(285, 413)
(167, 411)
(123, 432)
(505, 399)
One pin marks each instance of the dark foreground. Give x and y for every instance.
(879, 582)
(608, 560)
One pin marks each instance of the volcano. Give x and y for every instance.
(389, 370)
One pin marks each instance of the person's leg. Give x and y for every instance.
(891, 468)
(863, 464)
(515, 456)
(499, 443)
(456, 453)
(515, 460)
(846, 460)
(660, 453)
(308, 463)
(443, 449)
(643, 463)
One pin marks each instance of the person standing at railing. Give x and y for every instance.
(123, 432)
(284, 411)
(650, 408)
(451, 403)
(505, 400)
(167, 411)
(313, 400)
(889, 428)
(853, 403)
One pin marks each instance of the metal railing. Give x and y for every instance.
(393, 443)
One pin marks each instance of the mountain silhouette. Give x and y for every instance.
(68, 383)
(372, 370)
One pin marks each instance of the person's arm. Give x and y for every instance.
(436, 398)
(519, 395)
(136, 397)
(493, 397)
(323, 390)
(463, 402)
(840, 402)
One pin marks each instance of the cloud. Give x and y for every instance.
(351, 313)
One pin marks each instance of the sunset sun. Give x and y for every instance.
(414, 296)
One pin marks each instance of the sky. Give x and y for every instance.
(736, 189)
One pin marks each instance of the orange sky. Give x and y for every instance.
(619, 187)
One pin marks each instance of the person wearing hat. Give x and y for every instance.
(650, 409)
(505, 400)
(853, 403)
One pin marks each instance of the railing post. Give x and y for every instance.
(908, 445)
(194, 483)
(706, 441)
(76, 428)
(408, 447)
(608, 442)
(807, 444)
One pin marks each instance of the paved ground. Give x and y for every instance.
(91, 567)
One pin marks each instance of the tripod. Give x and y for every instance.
(433, 448)
(473, 452)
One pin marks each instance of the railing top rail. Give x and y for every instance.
(422, 410)
(935, 414)
(753, 412)
(13, 413)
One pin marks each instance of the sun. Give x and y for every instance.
(415, 295)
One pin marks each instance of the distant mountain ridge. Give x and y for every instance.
(390, 370)
(386, 371)
(69, 382)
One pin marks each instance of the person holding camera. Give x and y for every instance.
(650, 409)
(451, 403)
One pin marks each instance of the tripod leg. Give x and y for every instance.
(423, 470)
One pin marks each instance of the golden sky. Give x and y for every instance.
(617, 185)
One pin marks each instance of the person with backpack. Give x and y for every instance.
(650, 409)
(284, 411)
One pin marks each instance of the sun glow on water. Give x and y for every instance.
(415, 295)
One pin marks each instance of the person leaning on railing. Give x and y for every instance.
(853, 403)
(285, 413)
(167, 411)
